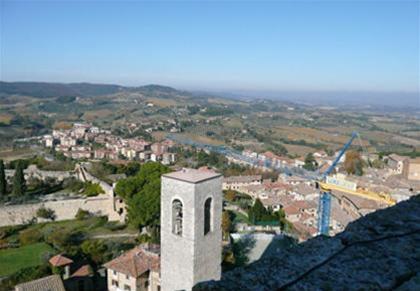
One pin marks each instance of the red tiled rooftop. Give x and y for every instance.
(137, 261)
(83, 271)
(291, 210)
(60, 260)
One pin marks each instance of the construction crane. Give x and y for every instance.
(324, 206)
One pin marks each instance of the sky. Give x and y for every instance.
(215, 45)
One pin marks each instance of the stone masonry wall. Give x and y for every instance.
(64, 209)
(103, 204)
(379, 251)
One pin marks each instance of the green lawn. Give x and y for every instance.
(14, 259)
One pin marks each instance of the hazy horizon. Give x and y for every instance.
(215, 46)
(334, 98)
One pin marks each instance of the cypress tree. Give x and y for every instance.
(2, 179)
(19, 183)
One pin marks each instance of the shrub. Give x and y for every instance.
(82, 214)
(113, 226)
(92, 189)
(25, 275)
(30, 236)
(73, 185)
(64, 240)
(95, 249)
(46, 213)
(143, 238)
(7, 231)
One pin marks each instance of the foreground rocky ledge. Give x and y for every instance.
(380, 251)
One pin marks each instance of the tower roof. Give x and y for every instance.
(192, 175)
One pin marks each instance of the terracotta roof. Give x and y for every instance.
(83, 271)
(303, 204)
(60, 260)
(137, 261)
(50, 283)
(291, 210)
(276, 186)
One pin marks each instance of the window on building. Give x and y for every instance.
(158, 288)
(177, 214)
(127, 288)
(146, 284)
(115, 283)
(207, 216)
(127, 277)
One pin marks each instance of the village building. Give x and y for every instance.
(135, 270)
(396, 163)
(237, 182)
(53, 283)
(411, 169)
(49, 141)
(75, 277)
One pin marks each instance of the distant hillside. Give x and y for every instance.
(48, 90)
(159, 91)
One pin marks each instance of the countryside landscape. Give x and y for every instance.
(216, 145)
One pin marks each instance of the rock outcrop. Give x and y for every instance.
(380, 251)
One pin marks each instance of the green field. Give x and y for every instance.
(12, 260)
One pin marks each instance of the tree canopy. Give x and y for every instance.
(142, 194)
(19, 183)
(353, 163)
(310, 162)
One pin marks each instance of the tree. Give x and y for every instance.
(82, 214)
(353, 163)
(64, 240)
(257, 211)
(282, 219)
(230, 195)
(95, 249)
(19, 183)
(226, 224)
(2, 180)
(310, 162)
(142, 194)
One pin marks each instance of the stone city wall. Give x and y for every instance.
(34, 172)
(63, 209)
(103, 204)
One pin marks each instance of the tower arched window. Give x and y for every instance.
(177, 217)
(207, 216)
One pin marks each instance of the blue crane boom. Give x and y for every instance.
(337, 160)
(324, 206)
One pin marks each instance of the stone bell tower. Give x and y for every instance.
(191, 234)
